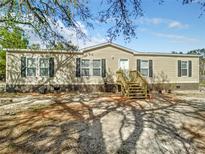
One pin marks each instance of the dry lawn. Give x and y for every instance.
(102, 123)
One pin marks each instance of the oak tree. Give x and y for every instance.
(12, 37)
(44, 16)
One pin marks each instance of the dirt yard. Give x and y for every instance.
(102, 123)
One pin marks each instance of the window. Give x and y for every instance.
(96, 67)
(85, 67)
(31, 67)
(144, 67)
(124, 64)
(184, 68)
(44, 66)
(91, 67)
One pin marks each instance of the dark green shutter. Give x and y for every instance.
(103, 68)
(23, 66)
(150, 68)
(51, 67)
(190, 68)
(77, 72)
(138, 65)
(179, 68)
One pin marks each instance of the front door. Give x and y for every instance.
(124, 65)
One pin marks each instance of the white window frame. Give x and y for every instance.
(82, 67)
(123, 59)
(97, 67)
(187, 68)
(36, 66)
(43, 67)
(91, 67)
(126, 71)
(144, 68)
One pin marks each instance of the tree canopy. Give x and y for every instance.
(35, 46)
(198, 52)
(43, 15)
(12, 37)
(202, 59)
(61, 46)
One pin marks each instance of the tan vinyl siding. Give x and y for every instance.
(65, 66)
(169, 66)
(64, 69)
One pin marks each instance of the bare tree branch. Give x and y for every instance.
(118, 14)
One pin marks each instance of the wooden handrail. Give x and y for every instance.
(137, 74)
(123, 81)
(137, 77)
(134, 76)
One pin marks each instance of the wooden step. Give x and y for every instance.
(137, 94)
(134, 92)
(133, 82)
(141, 97)
(136, 89)
(130, 84)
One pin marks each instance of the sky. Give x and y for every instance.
(165, 27)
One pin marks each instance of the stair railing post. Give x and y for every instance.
(122, 80)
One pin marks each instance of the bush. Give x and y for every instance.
(161, 83)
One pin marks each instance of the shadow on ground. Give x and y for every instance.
(109, 124)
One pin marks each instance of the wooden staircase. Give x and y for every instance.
(135, 91)
(133, 86)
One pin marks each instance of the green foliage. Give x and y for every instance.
(175, 52)
(61, 46)
(41, 15)
(12, 37)
(35, 46)
(201, 62)
(197, 52)
(2, 64)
